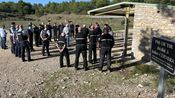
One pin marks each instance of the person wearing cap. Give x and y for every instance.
(106, 44)
(61, 45)
(81, 47)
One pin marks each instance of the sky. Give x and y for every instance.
(41, 1)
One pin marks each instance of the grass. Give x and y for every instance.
(116, 24)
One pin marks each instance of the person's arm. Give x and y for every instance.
(58, 47)
(41, 35)
(63, 48)
(48, 32)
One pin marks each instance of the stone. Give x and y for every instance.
(140, 86)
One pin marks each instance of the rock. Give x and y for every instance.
(136, 74)
(123, 78)
(26, 92)
(35, 65)
(140, 86)
(146, 75)
(85, 82)
(11, 94)
(64, 87)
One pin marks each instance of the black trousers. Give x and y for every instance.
(55, 35)
(37, 39)
(50, 35)
(25, 46)
(12, 45)
(66, 54)
(92, 50)
(81, 49)
(18, 48)
(31, 41)
(45, 46)
(105, 51)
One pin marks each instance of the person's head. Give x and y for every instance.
(106, 25)
(67, 25)
(54, 24)
(96, 25)
(48, 23)
(17, 27)
(106, 31)
(20, 26)
(34, 25)
(92, 27)
(84, 26)
(30, 23)
(3, 26)
(42, 23)
(79, 29)
(12, 24)
(45, 26)
(62, 34)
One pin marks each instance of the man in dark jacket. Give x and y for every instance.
(81, 47)
(36, 35)
(61, 45)
(92, 45)
(55, 31)
(106, 43)
(30, 32)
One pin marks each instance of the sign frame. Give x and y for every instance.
(163, 53)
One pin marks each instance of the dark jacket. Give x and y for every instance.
(106, 40)
(81, 39)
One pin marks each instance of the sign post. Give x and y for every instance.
(162, 80)
(163, 53)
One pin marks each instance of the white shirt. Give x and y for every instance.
(66, 30)
(2, 32)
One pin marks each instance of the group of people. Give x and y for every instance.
(86, 38)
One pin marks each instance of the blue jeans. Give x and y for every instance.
(3, 42)
(67, 40)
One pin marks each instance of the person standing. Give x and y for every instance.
(81, 47)
(3, 36)
(30, 32)
(18, 40)
(85, 30)
(66, 32)
(92, 45)
(60, 29)
(106, 43)
(76, 29)
(25, 45)
(61, 45)
(45, 35)
(98, 30)
(36, 35)
(12, 33)
(55, 30)
(49, 27)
